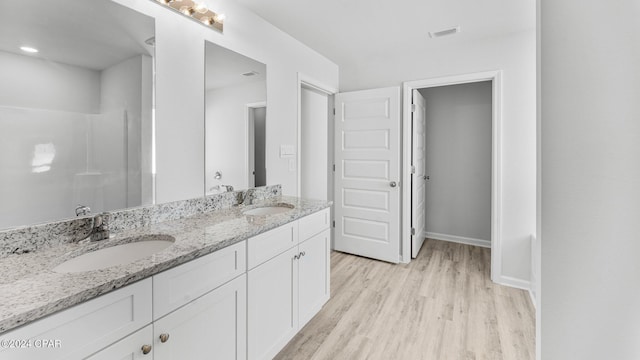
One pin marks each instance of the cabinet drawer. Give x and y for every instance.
(129, 347)
(313, 224)
(176, 287)
(81, 330)
(265, 246)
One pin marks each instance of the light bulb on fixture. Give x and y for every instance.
(29, 49)
(219, 18)
(187, 10)
(201, 8)
(197, 10)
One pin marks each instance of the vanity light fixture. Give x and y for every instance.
(29, 49)
(196, 11)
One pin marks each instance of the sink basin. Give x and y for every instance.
(137, 248)
(269, 210)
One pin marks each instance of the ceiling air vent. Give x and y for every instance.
(445, 32)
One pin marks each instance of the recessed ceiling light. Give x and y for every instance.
(28, 49)
(445, 32)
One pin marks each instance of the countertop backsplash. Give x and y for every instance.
(28, 239)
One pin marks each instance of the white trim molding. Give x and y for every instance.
(459, 239)
(495, 77)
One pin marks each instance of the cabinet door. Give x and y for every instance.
(211, 327)
(129, 348)
(313, 272)
(272, 305)
(83, 329)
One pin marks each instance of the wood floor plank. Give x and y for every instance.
(442, 305)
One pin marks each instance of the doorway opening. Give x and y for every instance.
(488, 179)
(256, 144)
(315, 145)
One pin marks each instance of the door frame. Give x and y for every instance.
(307, 81)
(249, 147)
(495, 76)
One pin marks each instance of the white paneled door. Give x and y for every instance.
(418, 172)
(367, 173)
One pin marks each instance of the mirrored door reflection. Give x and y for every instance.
(235, 120)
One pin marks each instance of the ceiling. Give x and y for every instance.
(225, 68)
(349, 32)
(94, 34)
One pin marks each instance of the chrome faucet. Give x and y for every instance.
(82, 210)
(246, 197)
(99, 228)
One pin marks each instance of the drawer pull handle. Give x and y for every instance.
(146, 349)
(164, 338)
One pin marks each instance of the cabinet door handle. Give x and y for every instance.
(146, 349)
(164, 338)
(303, 253)
(296, 257)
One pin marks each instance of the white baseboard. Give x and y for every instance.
(513, 282)
(458, 239)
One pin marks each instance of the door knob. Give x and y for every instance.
(146, 349)
(164, 338)
(393, 184)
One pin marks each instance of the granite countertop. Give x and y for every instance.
(30, 290)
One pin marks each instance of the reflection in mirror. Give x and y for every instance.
(76, 99)
(235, 103)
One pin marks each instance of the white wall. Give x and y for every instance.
(226, 133)
(458, 160)
(34, 83)
(515, 54)
(590, 169)
(313, 154)
(180, 94)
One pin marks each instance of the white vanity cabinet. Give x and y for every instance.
(287, 286)
(79, 331)
(193, 322)
(242, 302)
(210, 327)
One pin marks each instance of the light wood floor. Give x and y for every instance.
(442, 305)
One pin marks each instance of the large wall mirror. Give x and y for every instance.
(76, 100)
(235, 108)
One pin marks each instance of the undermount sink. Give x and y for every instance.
(269, 210)
(138, 248)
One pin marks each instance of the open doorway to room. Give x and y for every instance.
(452, 153)
(315, 145)
(256, 144)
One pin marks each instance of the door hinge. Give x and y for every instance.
(334, 223)
(413, 107)
(413, 231)
(334, 111)
(413, 169)
(334, 167)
